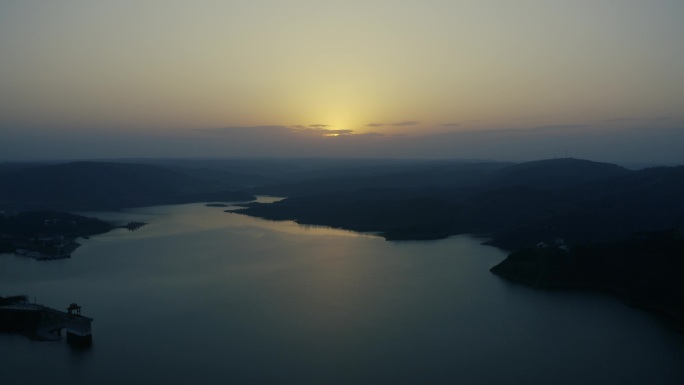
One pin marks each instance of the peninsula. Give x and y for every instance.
(644, 270)
(46, 235)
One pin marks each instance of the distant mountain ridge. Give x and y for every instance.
(517, 204)
(104, 185)
(556, 173)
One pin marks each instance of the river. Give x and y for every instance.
(204, 296)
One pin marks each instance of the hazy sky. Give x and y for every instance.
(503, 79)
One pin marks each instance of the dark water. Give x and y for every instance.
(203, 296)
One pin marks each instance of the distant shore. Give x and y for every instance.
(49, 235)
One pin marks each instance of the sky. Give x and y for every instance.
(487, 79)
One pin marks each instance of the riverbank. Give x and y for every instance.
(644, 270)
(47, 235)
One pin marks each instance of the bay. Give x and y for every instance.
(204, 296)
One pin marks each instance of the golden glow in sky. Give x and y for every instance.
(356, 67)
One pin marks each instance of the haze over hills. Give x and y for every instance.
(105, 186)
(517, 204)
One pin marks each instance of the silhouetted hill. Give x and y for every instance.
(644, 269)
(104, 185)
(409, 176)
(554, 173)
(589, 208)
(613, 208)
(518, 204)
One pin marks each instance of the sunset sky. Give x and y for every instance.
(495, 79)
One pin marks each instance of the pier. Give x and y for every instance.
(43, 323)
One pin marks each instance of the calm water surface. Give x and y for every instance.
(203, 296)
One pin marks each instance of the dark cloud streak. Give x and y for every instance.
(406, 123)
(396, 124)
(558, 127)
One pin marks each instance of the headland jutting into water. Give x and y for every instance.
(48, 235)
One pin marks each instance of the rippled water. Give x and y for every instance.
(204, 296)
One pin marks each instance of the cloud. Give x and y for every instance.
(618, 120)
(339, 132)
(406, 123)
(285, 134)
(630, 119)
(247, 129)
(313, 130)
(396, 124)
(305, 127)
(517, 131)
(318, 132)
(451, 124)
(373, 134)
(661, 119)
(558, 127)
